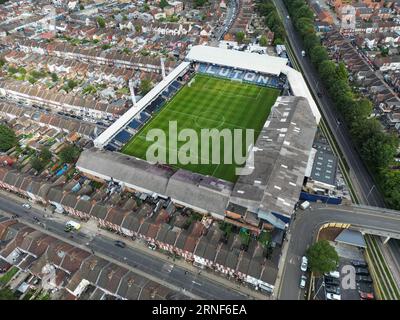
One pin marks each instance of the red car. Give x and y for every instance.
(366, 296)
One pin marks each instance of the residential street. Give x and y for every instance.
(358, 173)
(135, 255)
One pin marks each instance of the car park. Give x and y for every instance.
(304, 263)
(331, 281)
(332, 289)
(362, 271)
(303, 280)
(360, 264)
(365, 287)
(332, 296)
(120, 244)
(366, 279)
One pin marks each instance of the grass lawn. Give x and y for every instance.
(5, 278)
(206, 104)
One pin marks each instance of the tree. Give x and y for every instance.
(342, 71)
(379, 150)
(54, 77)
(12, 70)
(163, 4)
(39, 161)
(6, 293)
(263, 41)
(101, 22)
(69, 154)
(199, 3)
(7, 138)
(240, 36)
(322, 257)
(2, 63)
(37, 164)
(318, 55)
(45, 154)
(138, 28)
(71, 84)
(145, 86)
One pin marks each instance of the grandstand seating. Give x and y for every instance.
(110, 147)
(251, 77)
(135, 124)
(176, 85)
(123, 136)
(144, 116)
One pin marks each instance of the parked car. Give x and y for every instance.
(365, 287)
(362, 271)
(333, 274)
(304, 263)
(120, 244)
(331, 281)
(332, 289)
(366, 295)
(357, 263)
(27, 206)
(303, 281)
(152, 246)
(332, 296)
(366, 279)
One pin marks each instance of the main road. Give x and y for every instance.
(193, 283)
(358, 172)
(304, 228)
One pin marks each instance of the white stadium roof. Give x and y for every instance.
(112, 130)
(224, 57)
(237, 59)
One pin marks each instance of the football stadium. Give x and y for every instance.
(221, 89)
(209, 102)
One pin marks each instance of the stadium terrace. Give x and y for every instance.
(244, 89)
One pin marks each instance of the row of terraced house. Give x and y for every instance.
(157, 221)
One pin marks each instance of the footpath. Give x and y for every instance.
(91, 229)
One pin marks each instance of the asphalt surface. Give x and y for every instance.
(358, 172)
(305, 226)
(231, 15)
(179, 277)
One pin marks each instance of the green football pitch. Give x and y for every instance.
(206, 103)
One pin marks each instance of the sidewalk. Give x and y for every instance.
(281, 266)
(90, 228)
(126, 266)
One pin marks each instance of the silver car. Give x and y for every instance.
(304, 263)
(303, 281)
